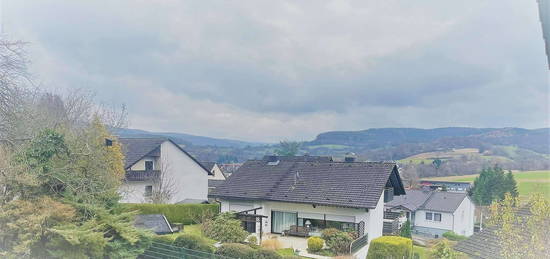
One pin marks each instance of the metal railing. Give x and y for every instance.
(160, 250)
(141, 175)
(358, 243)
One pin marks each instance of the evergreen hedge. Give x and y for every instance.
(390, 247)
(175, 213)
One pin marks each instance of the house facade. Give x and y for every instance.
(301, 196)
(433, 212)
(158, 167)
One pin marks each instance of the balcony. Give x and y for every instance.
(141, 175)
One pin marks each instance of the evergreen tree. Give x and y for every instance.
(491, 185)
(406, 230)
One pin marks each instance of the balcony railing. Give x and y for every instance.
(359, 243)
(141, 175)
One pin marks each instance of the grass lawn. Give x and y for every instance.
(528, 181)
(423, 252)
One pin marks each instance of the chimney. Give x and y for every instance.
(272, 160)
(350, 157)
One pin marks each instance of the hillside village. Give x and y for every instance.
(328, 121)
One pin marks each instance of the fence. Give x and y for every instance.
(159, 250)
(359, 243)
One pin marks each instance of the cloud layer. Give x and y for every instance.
(270, 70)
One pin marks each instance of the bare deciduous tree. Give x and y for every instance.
(164, 185)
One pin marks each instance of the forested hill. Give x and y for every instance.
(537, 140)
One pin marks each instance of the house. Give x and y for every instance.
(433, 212)
(447, 186)
(303, 195)
(216, 178)
(159, 168)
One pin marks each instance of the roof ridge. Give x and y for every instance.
(426, 201)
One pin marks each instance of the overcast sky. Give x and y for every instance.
(271, 70)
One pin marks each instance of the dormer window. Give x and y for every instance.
(149, 165)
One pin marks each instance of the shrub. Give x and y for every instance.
(406, 230)
(252, 241)
(390, 246)
(328, 233)
(292, 257)
(193, 242)
(180, 213)
(453, 236)
(443, 250)
(272, 244)
(266, 254)
(339, 242)
(237, 251)
(225, 228)
(315, 244)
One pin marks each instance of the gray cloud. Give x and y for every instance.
(268, 70)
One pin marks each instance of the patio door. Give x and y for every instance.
(281, 221)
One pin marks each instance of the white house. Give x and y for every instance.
(433, 213)
(158, 165)
(216, 177)
(301, 196)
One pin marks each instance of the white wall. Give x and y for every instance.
(446, 222)
(134, 192)
(189, 179)
(140, 165)
(218, 175)
(464, 218)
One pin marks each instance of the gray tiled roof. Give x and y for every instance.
(213, 183)
(444, 201)
(154, 222)
(352, 184)
(136, 148)
(486, 244)
(411, 201)
(428, 200)
(302, 158)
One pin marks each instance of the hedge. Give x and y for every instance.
(390, 247)
(453, 236)
(193, 242)
(237, 251)
(175, 213)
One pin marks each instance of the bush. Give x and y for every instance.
(225, 228)
(443, 250)
(180, 213)
(236, 251)
(390, 246)
(315, 244)
(193, 242)
(453, 236)
(266, 254)
(252, 241)
(406, 230)
(272, 244)
(339, 242)
(329, 233)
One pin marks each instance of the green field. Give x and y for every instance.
(528, 181)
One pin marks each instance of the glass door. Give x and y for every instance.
(281, 221)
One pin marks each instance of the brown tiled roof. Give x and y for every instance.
(346, 184)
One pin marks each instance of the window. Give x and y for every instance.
(148, 190)
(437, 216)
(149, 165)
(428, 216)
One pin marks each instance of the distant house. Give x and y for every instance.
(215, 170)
(447, 186)
(433, 213)
(152, 164)
(303, 195)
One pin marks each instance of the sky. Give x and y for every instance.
(272, 70)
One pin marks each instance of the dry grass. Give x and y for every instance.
(272, 244)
